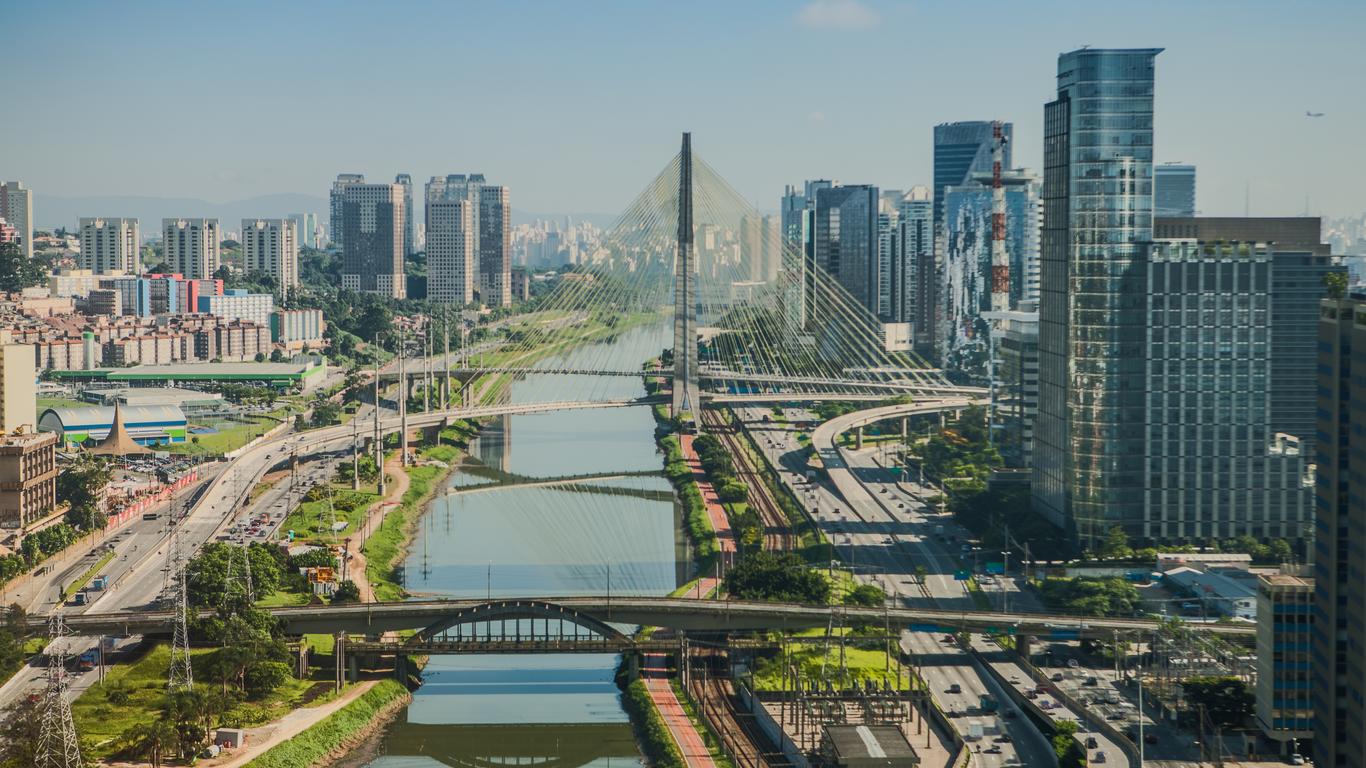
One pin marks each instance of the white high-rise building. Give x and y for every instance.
(334, 223)
(16, 208)
(110, 246)
(451, 250)
(271, 246)
(192, 246)
(372, 239)
(495, 247)
(406, 181)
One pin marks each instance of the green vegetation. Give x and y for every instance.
(856, 659)
(1069, 751)
(331, 733)
(13, 636)
(17, 271)
(1227, 700)
(384, 548)
(654, 737)
(61, 402)
(89, 574)
(695, 511)
(226, 439)
(781, 577)
(81, 487)
(709, 737)
(35, 548)
(311, 521)
(1112, 596)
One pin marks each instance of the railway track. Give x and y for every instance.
(778, 534)
(743, 741)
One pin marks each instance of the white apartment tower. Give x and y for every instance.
(451, 248)
(16, 207)
(271, 246)
(110, 246)
(372, 239)
(495, 247)
(192, 246)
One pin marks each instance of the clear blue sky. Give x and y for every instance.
(576, 105)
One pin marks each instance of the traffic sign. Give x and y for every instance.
(996, 568)
(960, 575)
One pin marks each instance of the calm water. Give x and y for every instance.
(617, 532)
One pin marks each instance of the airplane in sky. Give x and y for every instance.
(1307, 113)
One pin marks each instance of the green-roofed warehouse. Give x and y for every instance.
(307, 376)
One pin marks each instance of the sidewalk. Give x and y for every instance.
(725, 537)
(262, 738)
(685, 735)
(374, 518)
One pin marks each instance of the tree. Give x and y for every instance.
(82, 487)
(866, 595)
(149, 740)
(733, 492)
(778, 577)
(19, 731)
(1116, 545)
(1226, 700)
(277, 356)
(1112, 596)
(17, 271)
(207, 572)
(1335, 283)
(347, 592)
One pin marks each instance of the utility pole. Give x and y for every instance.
(446, 356)
(58, 744)
(379, 436)
(402, 399)
(355, 449)
(427, 366)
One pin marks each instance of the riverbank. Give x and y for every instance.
(335, 732)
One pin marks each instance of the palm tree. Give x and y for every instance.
(149, 739)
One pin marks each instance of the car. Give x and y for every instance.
(1091, 681)
(1099, 758)
(1014, 679)
(954, 713)
(1091, 742)
(1115, 716)
(955, 688)
(1013, 760)
(1297, 759)
(1149, 738)
(992, 750)
(1057, 677)
(1004, 738)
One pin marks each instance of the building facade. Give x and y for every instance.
(372, 239)
(1339, 657)
(336, 203)
(271, 247)
(495, 247)
(192, 246)
(237, 304)
(406, 181)
(110, 246)
(28, 478)
(1285, 631)
(845, 241)
(1174, 190)
(915, 218)
(18, 388)
(1097, 202)
(1015, 384)
(306, 225)
(451, 246)
(16, 208)
(297, 328)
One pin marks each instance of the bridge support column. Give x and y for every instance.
(301, 662)
(1023, 645)
(905, 429)
(352, 668)
(632, 666)
(401, 667)
(858, 439)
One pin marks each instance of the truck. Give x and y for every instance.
(939, 531)
(975, 732)
(99, 583)
(987, 703)
(87, 661)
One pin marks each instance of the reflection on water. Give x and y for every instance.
(622, 534)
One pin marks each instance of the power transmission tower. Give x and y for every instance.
(58, 745)
(237, 581)
(179, 676)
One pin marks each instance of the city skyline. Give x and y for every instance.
(821, 124)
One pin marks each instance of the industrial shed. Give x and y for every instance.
(146, 424)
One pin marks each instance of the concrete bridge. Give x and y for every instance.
(596, 613)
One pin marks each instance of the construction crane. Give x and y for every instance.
(1000, 261)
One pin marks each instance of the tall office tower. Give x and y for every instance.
(110, 245)
(306, 225)
(495, 247)
(1302, 260)
(271, 246)
(18, 387)
(1285, 642)
(336, 203)
(451, 251)
(845, 240)
(889, 265)
(771, 248)
(965, 264)
(461, 186)
(915, 217)
(1097, 201)
(1174, 190)
(793, 216)
(191, 246)
(1339, 660)
(16, 207)
(751, 248)
(406, 181)
(372, 239)
(1213, 468)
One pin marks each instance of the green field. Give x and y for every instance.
(224, 440)
(385, 545)
(61, 402)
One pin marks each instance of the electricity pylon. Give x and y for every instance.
(58, 745)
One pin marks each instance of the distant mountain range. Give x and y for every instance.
(52, 211)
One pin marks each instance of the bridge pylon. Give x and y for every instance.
(686, 397)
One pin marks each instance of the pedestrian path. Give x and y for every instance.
(681, 728)
(725, 537)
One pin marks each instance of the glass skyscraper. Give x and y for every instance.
(1097, 198)
(845, 240)
(1174, 190)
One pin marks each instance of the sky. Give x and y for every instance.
(577, 105)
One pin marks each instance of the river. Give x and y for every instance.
(622, 534)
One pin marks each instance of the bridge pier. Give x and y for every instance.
(905, 429)
(632, 666)
(858, 439)
(352, 668)
(401, 667)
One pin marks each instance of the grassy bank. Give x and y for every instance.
(346, 724)
(680, 476)
(654, 737)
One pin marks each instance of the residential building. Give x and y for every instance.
(28, 478)
(964, 291)
(495, 252)
(521, 284)
(306, 225)
(451, 251)
(1339, 660)
(271, 247)
(915, 217)
(233, 341)
(18, 387)
(1015, 383)
(890, 281)
(1174, 190)
(372, 237)
(16, 208)
(237, 304)
(192, 246)
(110, 246)
(1088, 437)
(297, 328)
(104, 301)
(406, 181)
(74, 282)
(336, 204)
(8, 232)
(845, 241)
(1285, 632)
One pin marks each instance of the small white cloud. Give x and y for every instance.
(836, 14)
(815, 117)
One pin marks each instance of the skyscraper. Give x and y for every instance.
(110, 245)
(889, 267)
(451, 251)
(406, 181)
(1174, 190)
(915, 217)
(191, 246)
(16, 208)
(372, 239)
(271, 246)
(1339, 659)
(306, 224)
(845, 240)
(495, 247)
(1097, 200)
(335, 205)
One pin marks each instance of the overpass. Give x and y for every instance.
(432, 618)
